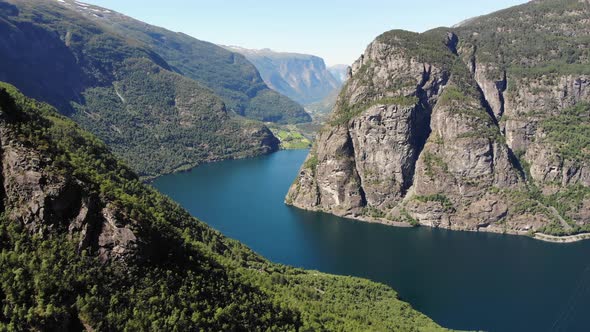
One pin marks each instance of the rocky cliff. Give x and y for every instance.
(39, 193)
(479, 127)
(301, 77)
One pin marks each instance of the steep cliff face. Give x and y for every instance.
(464, 128)
(537, 82)
(40, 192)
(301, 77)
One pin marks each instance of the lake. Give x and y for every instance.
(462, 280)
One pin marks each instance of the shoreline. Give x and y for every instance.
(535, 236)
(562, 239)
(187, 168)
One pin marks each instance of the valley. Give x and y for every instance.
(85, 245)
(151, 180)
(304, 78)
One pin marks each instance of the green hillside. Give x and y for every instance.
(228, 74)
(89, 246)
(157, 120)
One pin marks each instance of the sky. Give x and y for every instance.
(337, 31)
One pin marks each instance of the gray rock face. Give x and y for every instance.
(384, 152)
(430, 130)
(540, 94)
(301, 77)
(456, 170)
(339, 72)
(548, 166)
(524, 130)
(43, 198)
(369, 160)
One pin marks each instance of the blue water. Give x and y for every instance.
(461, 280)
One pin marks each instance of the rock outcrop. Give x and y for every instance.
(458, 128)
(41, 196)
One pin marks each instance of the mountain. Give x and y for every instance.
(301, 77)
(228, 74)
(85, 245)
(125, 92)
(320, 111)
(485, 126)
(339, 72)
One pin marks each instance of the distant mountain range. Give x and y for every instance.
(301, 77)
(339, 72)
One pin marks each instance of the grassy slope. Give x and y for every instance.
(291, 137)
(196, 279)
(537, 38)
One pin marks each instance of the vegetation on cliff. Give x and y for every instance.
(228, 74)
(483, 126)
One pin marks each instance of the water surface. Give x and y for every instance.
(461, 280)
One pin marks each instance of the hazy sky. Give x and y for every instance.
(338, 31)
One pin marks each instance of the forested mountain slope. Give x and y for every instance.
(121, 90)
(85, 245)
(485, 126)
(228, 74)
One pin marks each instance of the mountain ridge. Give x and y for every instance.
(463, 128)
(227, 73)
(302, 77)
